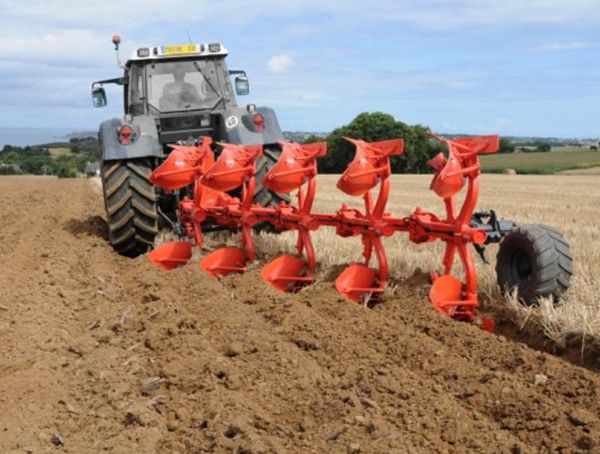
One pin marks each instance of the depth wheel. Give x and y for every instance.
(535, 260)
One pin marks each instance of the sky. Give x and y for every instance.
(512, 67)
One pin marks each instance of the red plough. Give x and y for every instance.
(296, 171)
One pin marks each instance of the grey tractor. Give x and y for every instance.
(172, 94)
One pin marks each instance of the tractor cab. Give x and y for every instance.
(180, 86)
(169, 79)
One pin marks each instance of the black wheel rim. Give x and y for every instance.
(521, 267)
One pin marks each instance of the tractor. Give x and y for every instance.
(172, 94)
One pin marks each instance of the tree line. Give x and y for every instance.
(371, 127)
(38, 160)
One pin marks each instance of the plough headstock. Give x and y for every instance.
(183, 165)
(296, 170)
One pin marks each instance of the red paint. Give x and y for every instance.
(296, 170)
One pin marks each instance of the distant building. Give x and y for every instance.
(10, 169)
(92, 168)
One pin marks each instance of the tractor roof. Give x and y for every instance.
(177, 51)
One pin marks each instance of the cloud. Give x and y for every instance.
(418, 58)
(450, 14)
(423, 13)
(59, 47)
(503, 124)
(280, 63)
(560, 46)
(295, 98)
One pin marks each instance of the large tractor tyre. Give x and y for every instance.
(262, 195)
(131, 205)
(535, 260)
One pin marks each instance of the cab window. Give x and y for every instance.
(175, 86)
(136, 89)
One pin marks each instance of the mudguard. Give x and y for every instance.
(238, 128)
(145, 144)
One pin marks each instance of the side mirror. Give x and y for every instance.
(99, 97)
(242, 86)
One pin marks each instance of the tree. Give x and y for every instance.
(11, 157)
(35, 164)
(506, 145)
(82, 160)
(544, 147)
(374, 127)
(64, 167)
(312, 139)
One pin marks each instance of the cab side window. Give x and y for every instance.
(136, 91)
(226, 82)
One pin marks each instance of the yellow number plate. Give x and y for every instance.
(181, 49)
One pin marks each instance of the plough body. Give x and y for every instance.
(296, 171)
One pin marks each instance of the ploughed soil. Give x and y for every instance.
(104, 354)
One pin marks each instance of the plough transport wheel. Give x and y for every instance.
(536, 261)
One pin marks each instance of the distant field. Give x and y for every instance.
(61, 151)
(570, 149)
(588, 171)
(541, 163)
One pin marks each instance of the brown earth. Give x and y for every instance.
(106, 354)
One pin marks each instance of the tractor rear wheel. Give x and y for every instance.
(535, 260)
(262, 195)
(131, 205)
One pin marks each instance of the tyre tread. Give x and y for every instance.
(131, 205)
(552, 264)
